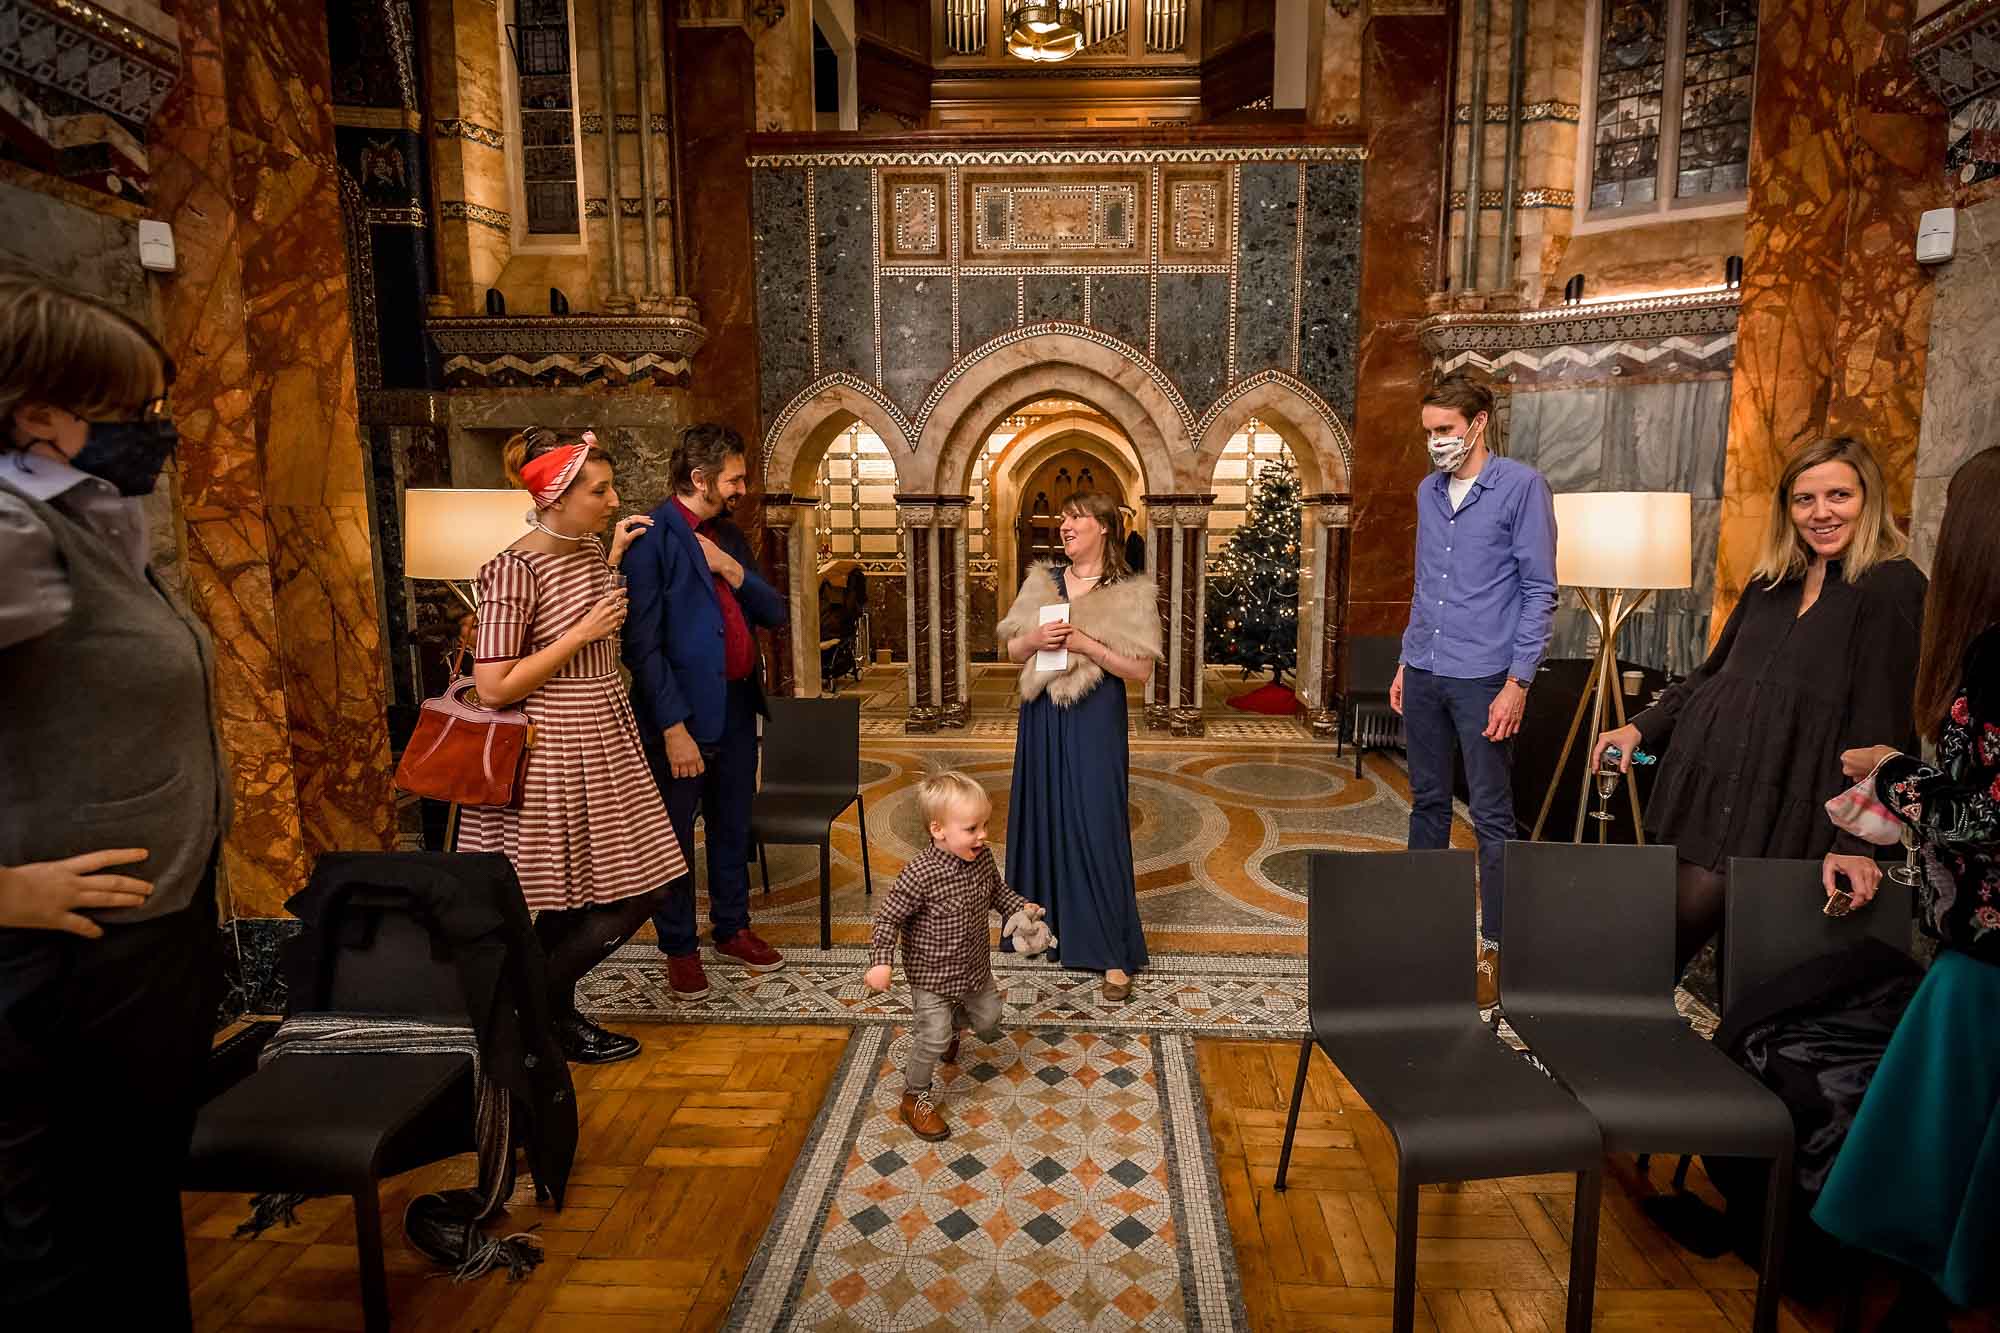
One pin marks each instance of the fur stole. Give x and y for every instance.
(1124, 617)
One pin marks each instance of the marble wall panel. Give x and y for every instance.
(1330, 280)
(1053, 298)
(784, 328)
(1118, 306)
(844, 205)
(1404, 61)
(916, 337)
(1835, 316)
(1194, 326)
(987, 307)
(1560, 433)
(1961, 408)
(1267, 246)
(1668, 437)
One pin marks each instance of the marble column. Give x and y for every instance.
(791, 563)
(1180, 563)
(271, 466)
(1404, 96)
(934, 569)
(473, 199)
(1835, 316)
(1327, 533)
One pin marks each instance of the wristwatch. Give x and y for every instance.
(1516, 680)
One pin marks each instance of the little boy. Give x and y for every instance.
(939, 908)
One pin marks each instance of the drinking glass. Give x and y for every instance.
(1907, 873)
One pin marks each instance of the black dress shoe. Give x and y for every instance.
(585, 1043)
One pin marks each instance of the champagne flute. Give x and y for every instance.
(1607, 783)
(1907, 873)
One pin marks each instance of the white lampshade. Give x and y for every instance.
(449, 534)
(1624, 539)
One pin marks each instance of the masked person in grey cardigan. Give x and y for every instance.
(112, 808)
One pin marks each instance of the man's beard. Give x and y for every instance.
(724, 504)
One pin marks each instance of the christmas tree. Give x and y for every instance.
(1253, 590)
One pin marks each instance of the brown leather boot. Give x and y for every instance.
(920, 1113)
(1489, 976)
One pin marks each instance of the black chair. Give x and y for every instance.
(1773, 920)
(1586, 980)
(840, 619)
(340, 1124)
(1366, 720)
(1391, 1002)
(812, 773)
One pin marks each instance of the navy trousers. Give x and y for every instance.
(1440, 712)
(722, 792)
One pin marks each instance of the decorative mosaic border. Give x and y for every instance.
(1022, 334)
(1957, 51)
(669, 337)
(564, 368)
(1062, 156)
(471, 131)
(1640, 320)
(1570, 365)
(839, 379)
(1320, 408)
(460, 210)
(93, 56)
(1496, 113)
(412, 215)
(1535, 198)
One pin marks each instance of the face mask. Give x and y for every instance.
(1451, 451)
(128, 454)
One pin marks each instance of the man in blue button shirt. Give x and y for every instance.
(1480, 615)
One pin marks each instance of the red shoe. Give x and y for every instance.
(685, 977)
(753, 953)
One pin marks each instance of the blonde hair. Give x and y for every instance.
(72, 351)
(941, 793)
(1098, 505)
(1784, 553)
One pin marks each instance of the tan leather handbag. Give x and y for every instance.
(465, 753)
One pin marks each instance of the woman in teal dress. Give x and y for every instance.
(1918, 1179)
(1069, 823)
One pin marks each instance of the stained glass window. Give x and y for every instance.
(1672, 95)
(1631, 81)
(548, 121)
(1716, 80)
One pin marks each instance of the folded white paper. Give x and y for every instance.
(1053, 659)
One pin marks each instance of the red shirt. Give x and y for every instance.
(739, 649)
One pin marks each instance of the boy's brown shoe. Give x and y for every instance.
(920, 1113)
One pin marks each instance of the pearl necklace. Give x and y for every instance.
(539, 526)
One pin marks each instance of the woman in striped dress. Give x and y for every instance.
(590, 840)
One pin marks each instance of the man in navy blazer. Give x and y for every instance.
(695, 600)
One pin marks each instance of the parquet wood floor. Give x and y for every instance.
(682, 1156)
(1492, 1254)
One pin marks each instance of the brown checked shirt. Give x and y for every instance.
(939, 907)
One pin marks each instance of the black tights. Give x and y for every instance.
(1697, 913)
(576, 939)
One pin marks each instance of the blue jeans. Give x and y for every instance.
(723, 792)
(1439, 711)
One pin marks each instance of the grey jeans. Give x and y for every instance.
(936, 1019)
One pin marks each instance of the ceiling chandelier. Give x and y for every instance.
(1044, 32)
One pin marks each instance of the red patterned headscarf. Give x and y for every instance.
(550, 474)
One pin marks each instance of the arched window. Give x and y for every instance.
(1667, 117)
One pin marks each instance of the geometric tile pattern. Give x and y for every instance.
(1076, 1191)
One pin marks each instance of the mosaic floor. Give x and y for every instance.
(1078, 1190)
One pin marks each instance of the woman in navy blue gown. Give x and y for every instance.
(1069, 823)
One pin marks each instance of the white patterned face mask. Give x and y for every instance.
(1449, 452)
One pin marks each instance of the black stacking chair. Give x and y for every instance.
(1773, 920)
(339, 1124)
(812, 773)
(1586, 980)
(1391, 998)
(1366, 720)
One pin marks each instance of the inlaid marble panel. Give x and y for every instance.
(1330, 281)
(916, 336)
(1266, 279)
(987, 308)
(1194, 324)
(843, 205)
(784, 328)
(1058, 214)
(1118, 306)
(1053, 296)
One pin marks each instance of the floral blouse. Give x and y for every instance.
(1954, 805)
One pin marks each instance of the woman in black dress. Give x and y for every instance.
(1819, 656)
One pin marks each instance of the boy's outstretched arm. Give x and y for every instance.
(892, 912)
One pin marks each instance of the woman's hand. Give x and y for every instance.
(1858, 764)
(876, 977)
(1863, 875)
(1626, 738)
(603, 620)
(1079, 642)
(1052, 634)
(45, 895)
(625, 533)
(721, 562)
